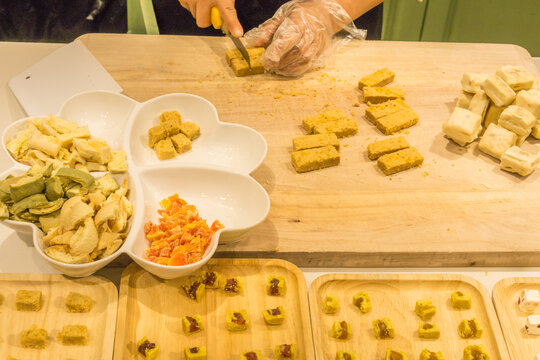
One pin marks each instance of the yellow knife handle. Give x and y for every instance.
(215, 18)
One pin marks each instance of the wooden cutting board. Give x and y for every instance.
(52, 316)
(458, 209)
(154, 308)
(394, 297)
(505, 296)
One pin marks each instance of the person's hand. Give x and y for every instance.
(200, 9)
(298, 34)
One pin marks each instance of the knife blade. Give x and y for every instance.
(217, 23)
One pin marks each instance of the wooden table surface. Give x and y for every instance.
(458, 209)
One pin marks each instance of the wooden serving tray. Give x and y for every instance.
(394, 297)
(52, 316)
(154, 308)
(505, 296)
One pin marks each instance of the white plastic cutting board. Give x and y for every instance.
(45, 86)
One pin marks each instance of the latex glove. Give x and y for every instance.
(200, 9)
(298, 35)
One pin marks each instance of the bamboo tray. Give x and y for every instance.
(100, 321)
(505, 295)
(153, 308)
(394, 297)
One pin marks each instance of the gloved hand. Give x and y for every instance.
(298, 35)
(200, 9)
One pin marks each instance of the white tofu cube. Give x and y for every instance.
(533, 325)
(517, 119)
(464, 100)
(479, 103)
(492, 115)
(522, 162)
(498, 91)
(472, 82)
(517, 77)
(496, 140)
(463, 126)
(536, 130)
(530, 100)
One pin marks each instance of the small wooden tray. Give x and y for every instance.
(100, 321)
(154, 308)
(394, 297)
(505, 296)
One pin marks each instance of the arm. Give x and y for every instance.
(357, 8)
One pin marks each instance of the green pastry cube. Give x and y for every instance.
(475, 352)
(431, 355)
(331, 304)
(362, 301)
(429, 331)
(181, 143)
(275, 285)
(195, 290)
(285, 351)
(155, 134)
(470, 329)
(395, 355)
(210, 279)
(274, 316)
(192, 324)
(231, 285)
(425, 309)
(341, 330)
(346, 355)
(251, 355)
(191, 130)
(195, 353)
(383, 328)
(461, 300)
(237, 320)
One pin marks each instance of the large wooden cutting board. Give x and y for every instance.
(458, 209)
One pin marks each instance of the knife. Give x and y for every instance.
(217, 23)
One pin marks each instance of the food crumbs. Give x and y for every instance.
(356, 104)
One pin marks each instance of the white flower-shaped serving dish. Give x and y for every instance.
(213, 176)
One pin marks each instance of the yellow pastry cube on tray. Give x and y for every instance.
(73, 335)
(475, 352)
(237, 320)
(328, 115)
(148, 350)
(195, 290)
(517, 77)
(168, 116)
(346, 355)
(341, 127)
(479, 104)
(231, 286)
(399, 120)
(492, 115)
(341, 330)
(314, 159)
(34, 338)
(210, 279)
(519, 161)
(195, 353)
(469, 329)
(276, 286)
(383, 329)
(400, 160)
(253, 52)
(362, 301)
(425, 309)
(496, 140)
(498, 91)
(463, 126)
(472, 82)
(240, 66)
(382, 147)
(376, 94)
(330, 304)
(315, 141)
(192, 324)
(274, 316)
(429, 331)
(28, 300)
(464, 100)
(517, 119)
(285, 351)
(431, 355)
(165, 149)
(530, 100)
(380, 77)
(251, 355)
(190, 129)
(460, 300)
(378, 111)
(395, 355)
(181, 143)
